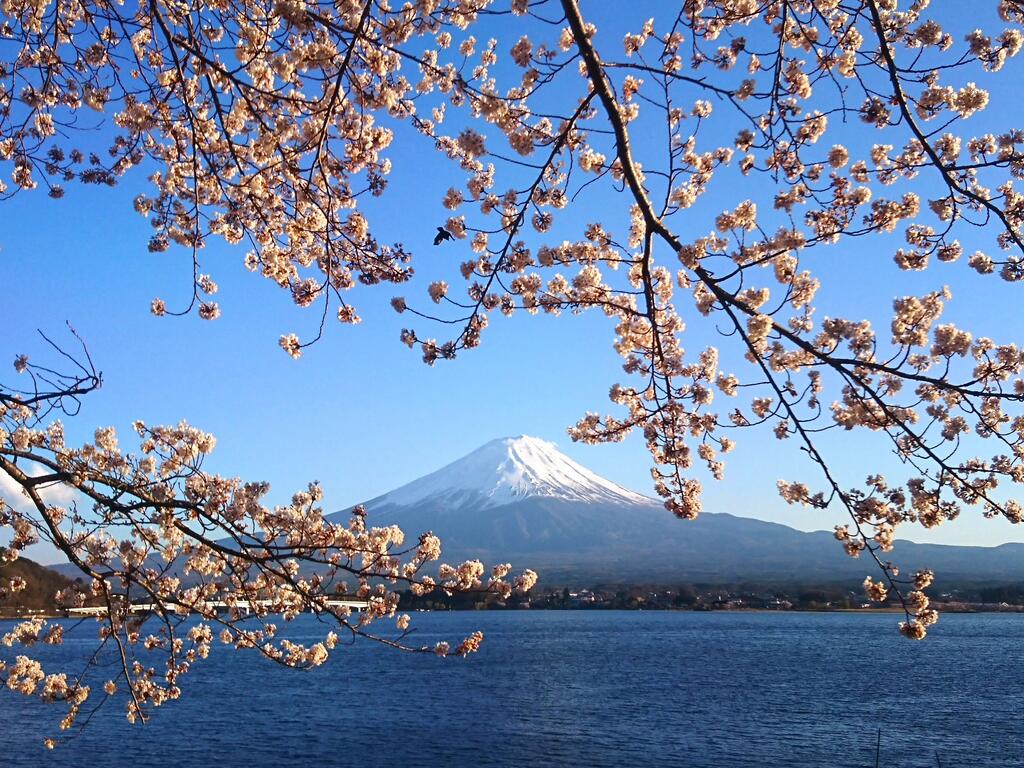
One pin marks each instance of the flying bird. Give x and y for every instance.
(442, 235)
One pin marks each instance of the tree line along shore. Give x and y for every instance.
(42, 584)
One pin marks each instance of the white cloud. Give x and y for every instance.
(57, 494)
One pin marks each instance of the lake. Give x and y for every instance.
(587, 688)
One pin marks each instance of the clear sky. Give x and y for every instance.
(360, 412)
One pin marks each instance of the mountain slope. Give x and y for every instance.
(522, 500)
(43, 583)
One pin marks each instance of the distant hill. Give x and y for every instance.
(43, 584)
(522, 500)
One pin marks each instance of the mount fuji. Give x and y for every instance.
(520, 499)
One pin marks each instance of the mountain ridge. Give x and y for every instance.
(519, 499)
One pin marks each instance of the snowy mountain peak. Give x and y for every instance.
(511, 469)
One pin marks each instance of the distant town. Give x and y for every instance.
(697, 597)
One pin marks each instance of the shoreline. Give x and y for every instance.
(941, 608)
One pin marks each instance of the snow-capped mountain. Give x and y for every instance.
(521, 500)
(512, 469)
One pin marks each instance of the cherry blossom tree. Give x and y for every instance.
(271, 125)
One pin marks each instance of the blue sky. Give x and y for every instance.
(360, 412)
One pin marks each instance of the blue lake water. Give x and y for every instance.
(582, 688)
